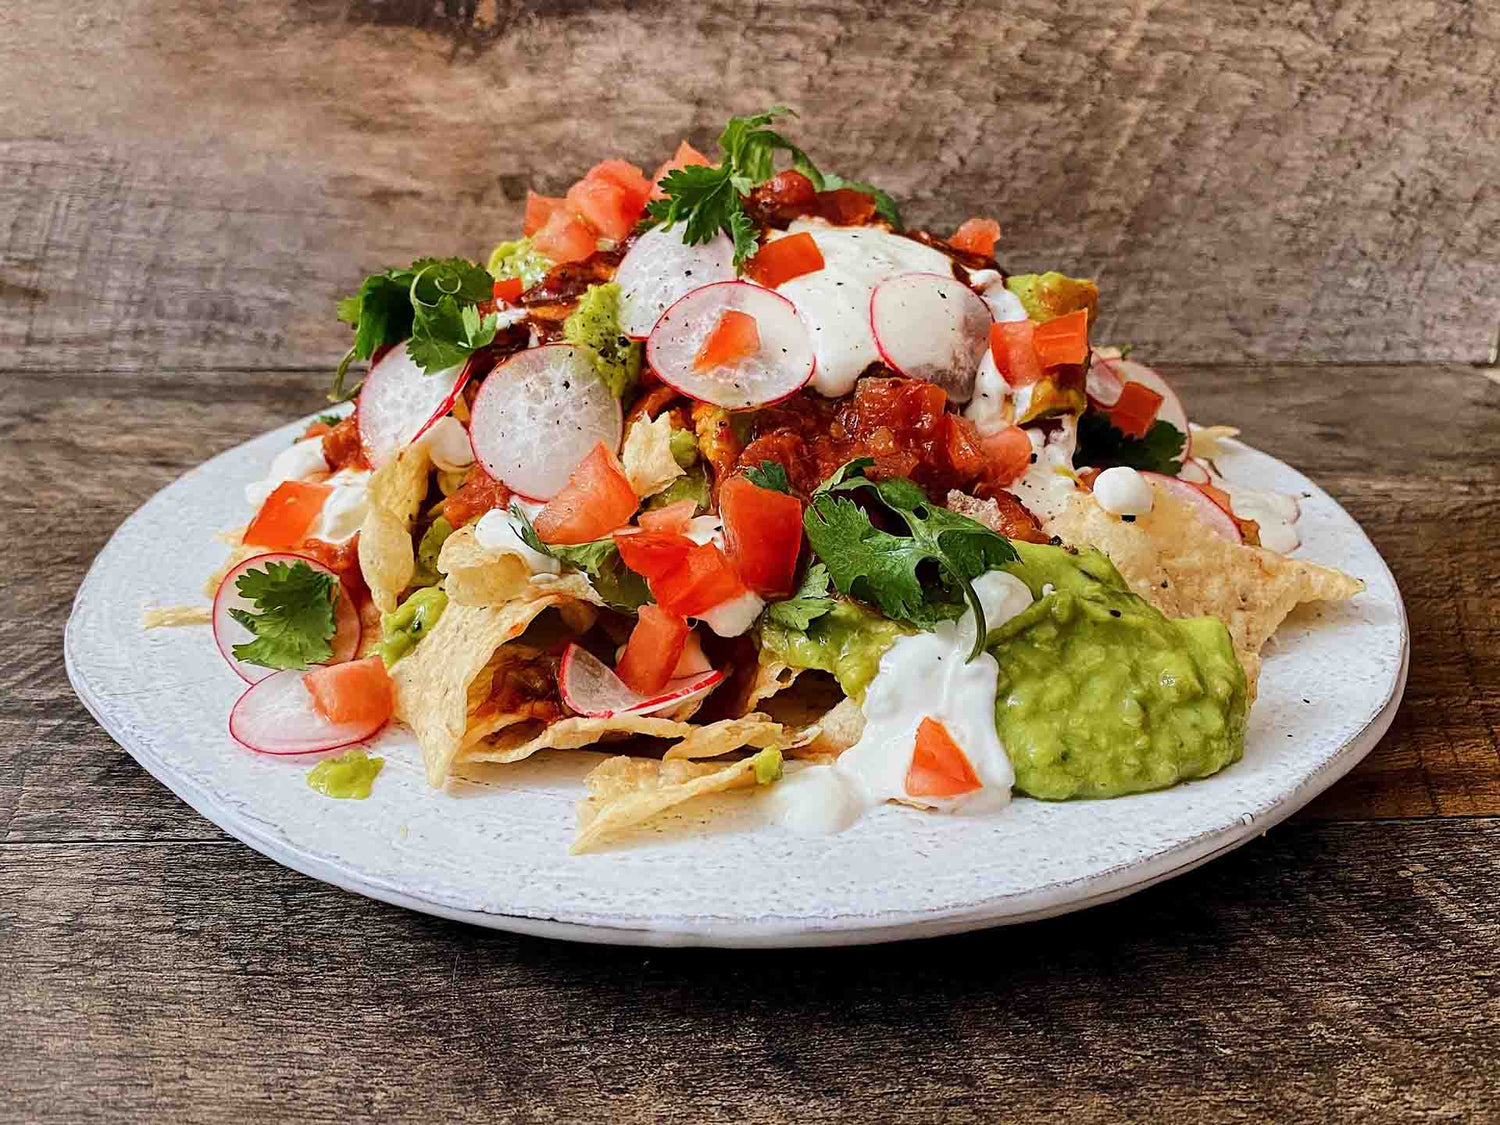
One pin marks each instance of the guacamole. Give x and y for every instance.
(412, 620)
(1101, 695)
(692, 485)
(848, 641)
(347, 777)
(595, 324)
(1046, 296)
(518, 259)
(433, 539)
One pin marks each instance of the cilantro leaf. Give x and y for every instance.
(620, 587)
(295, 624)
(884, 204)
(810, 602)
(329, 419)
(772, 475)
(880, 567)
(1103, 446)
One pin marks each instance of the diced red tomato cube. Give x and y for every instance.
(762, 534)
(673, 518)
(1135, 410)
(1011, 345)
(604, 206)
(509, 290)
(357, 691)
(976, 236)
(1008, 455)
(656, 645)
(686, 155)
(635, 189)
(596, 500)
(565, 238)
(288, 513)
(965, 453)
(780, 261)
(939, 767)
(539, 208)
(1064, 339)
(701, 581)
(735, 336)
(652, 554)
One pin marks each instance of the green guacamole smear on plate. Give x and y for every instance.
(347, 777)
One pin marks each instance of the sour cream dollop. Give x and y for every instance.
(497, 530)
(1121, 491)
(735, 616)
(344, 511)
(300, 461)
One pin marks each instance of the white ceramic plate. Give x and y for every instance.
(495, 852)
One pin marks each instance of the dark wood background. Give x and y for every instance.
(1291, 206)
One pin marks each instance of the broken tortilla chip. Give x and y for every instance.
(836, 731)
(729, 734)
(238, 553)
(647, 456)
(525, 739)
(480, 575)
(387, 558)
(172, 616)
(771, 677)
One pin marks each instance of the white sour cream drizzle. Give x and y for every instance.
(343, 513)
(498, 530)
(1048, 485)
(924, 676)
(1275, 512)
(732, 617)
(834, 302)
(300, 461)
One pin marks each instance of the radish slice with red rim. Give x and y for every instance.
(538, 415)
(1104, 386)
(1193, 472)
(400, 401)
(931, 327)
(660, 269)
(590, 687)
(1220, 522)
(276, 716)
(781, 366)
(228, 632)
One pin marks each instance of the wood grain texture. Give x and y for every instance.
(1324, 973)
(193, 185)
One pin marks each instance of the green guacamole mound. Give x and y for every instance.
(1047, 296)
(1100, 695)
(847, 641)
(412, 620)
(518, 259)
(595, 324)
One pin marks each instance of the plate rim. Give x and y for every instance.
(1055, 899)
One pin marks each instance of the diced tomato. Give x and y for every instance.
(479, 493)
(673, 518)
(976, 236)
(342, 448)
(778, 262)
(596, 500)
(1011, 343)
(284, 519)
(652, 554)
(701, 581)
(539, 209)
(1008, 454)
(656, 645)
(843, 207)
(735, 336)
(605, 206)
(632, 182)
(762, 534)
(938, 767)
(508, 290)
(1064, 339)
(317, 429)
(965, 452)
(686, 155)
(565, 238)
(1135, 409)
(357, 691)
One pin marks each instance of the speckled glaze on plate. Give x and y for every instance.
(494, 851)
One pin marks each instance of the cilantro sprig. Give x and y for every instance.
(431, 303)
(771, 475)
(810, 602)
(295, 623)
(877, 566)
(619, 586)
(1100, 444)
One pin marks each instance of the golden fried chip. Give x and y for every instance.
(238, 553)
(629, 791)
(480, 575)
(771, 677)
(729, 734)
(433, 682)
(525, 739)
(1169, 558)
(836, 731)
(647, 455)
(1208, 441)
(387, 558)
(172, 616)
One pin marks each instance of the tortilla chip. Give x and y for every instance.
(1208, 441)
(629, 791)
(836, 731)
(729, 734)
(524, 740)
(238, 553)
(171, 616)
(387, 558)
(435, 684)
(771, 677)
(480, 575)
(647, 456)
(1169, 558)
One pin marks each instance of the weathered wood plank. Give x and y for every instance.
(187, 188)
(93, 447)
(1323, 973)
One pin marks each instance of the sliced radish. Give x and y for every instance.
(228, 632)
(1194, 472)
(660, 268)
(931, 327)
(1104, 386)
(400, 401)
(277, 716)
(781, 366)
(590, 687)
(1220, 522)
(538, 415)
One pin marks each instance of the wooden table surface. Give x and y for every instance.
(1291, 207)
